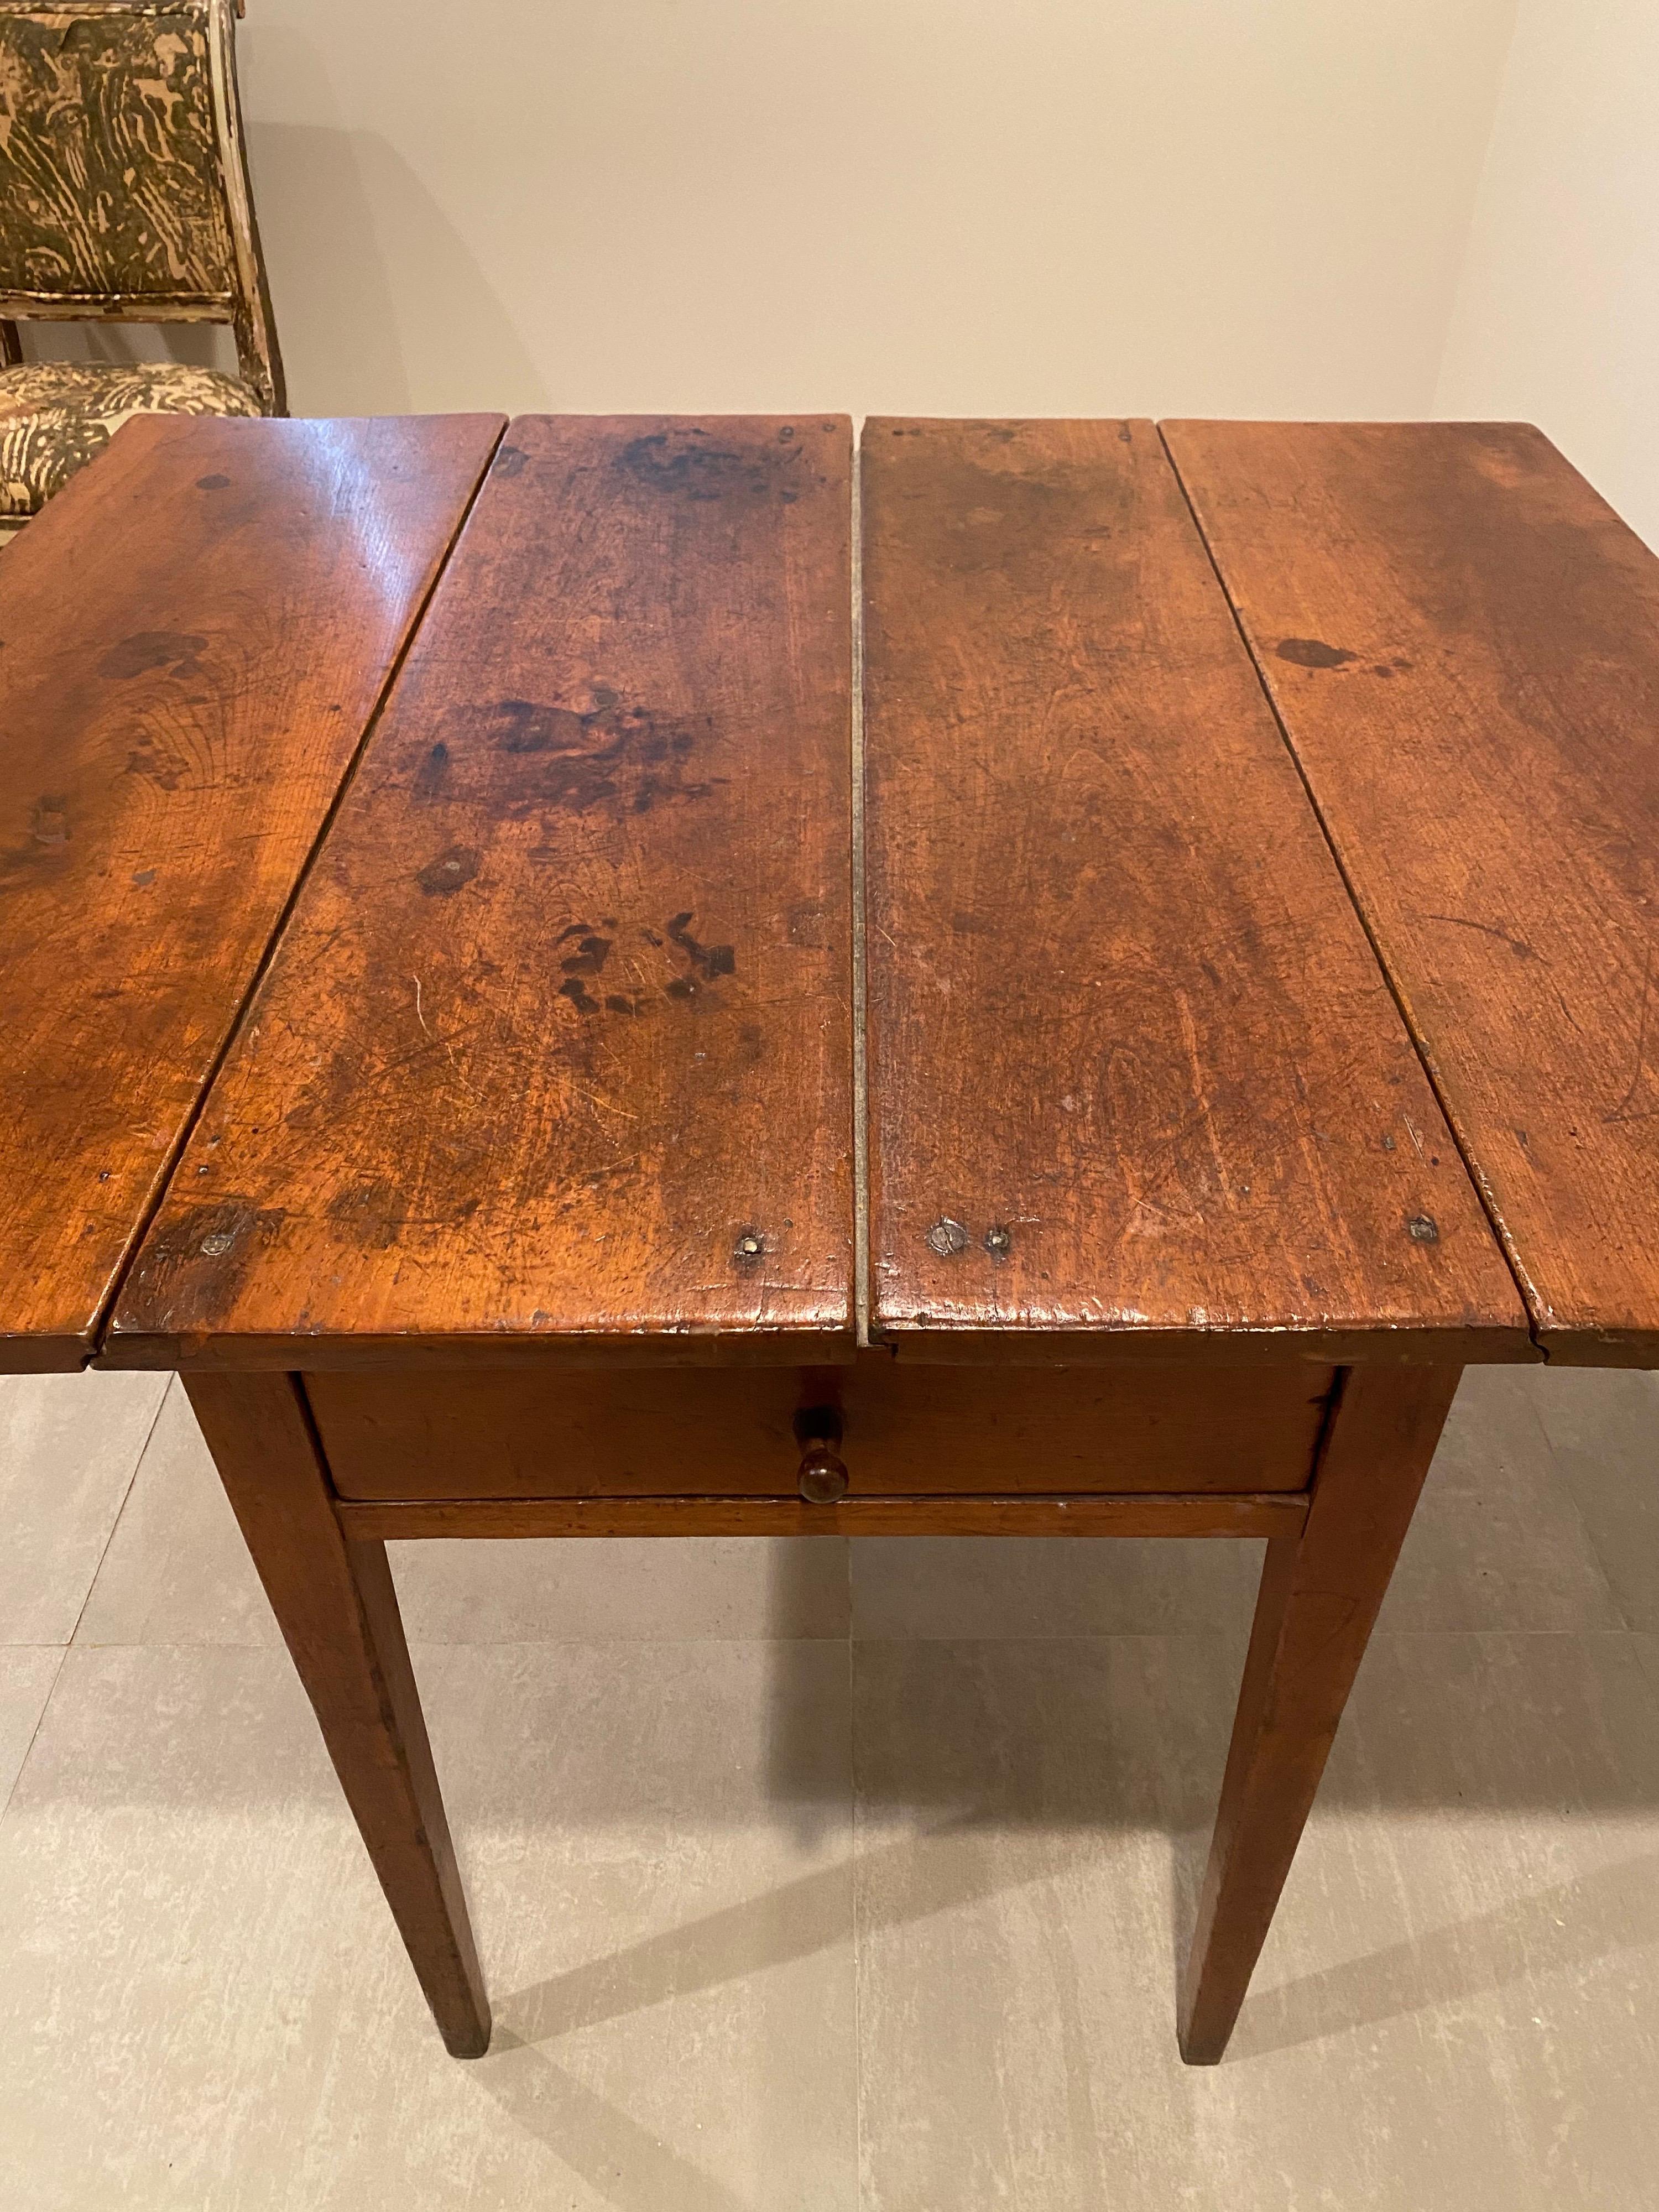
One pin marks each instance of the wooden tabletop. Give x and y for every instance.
(1256, 832)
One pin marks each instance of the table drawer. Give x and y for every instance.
(906, 1430)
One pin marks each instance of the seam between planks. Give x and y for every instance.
(860, 972)
(279, 928)
(1530, 1305)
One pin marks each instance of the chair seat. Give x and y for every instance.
(56, 415)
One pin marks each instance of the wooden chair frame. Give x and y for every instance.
(244, 303)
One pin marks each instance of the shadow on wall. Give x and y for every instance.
(337, 210)
(204, 345)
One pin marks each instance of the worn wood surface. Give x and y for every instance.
(333, 1598)
(557, 1048)
(905, 1429)
(1270, 1514)
(1462, 641)
(192, 639)
(1133, 1067)
(1320, 1594)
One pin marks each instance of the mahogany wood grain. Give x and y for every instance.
(1461, 640)
(556, 1047)
(1273, 1516)
(193, 638)
(905, 1431)
(1320, 1594)
(332, 1595)
(1132, 1067)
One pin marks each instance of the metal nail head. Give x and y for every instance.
(946, 1236)
(1423, 1230)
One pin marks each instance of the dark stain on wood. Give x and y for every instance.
(49, 822)
(223, 1237)
(451, 872)
(685, 460)
(590, 956)
(153, 648)
(606, 754)
(710, 961)
(377, 1210)
(429, 776)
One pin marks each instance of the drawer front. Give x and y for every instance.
(908, 1431)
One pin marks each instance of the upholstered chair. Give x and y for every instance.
(124, 197)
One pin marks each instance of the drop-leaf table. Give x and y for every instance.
(648, 977)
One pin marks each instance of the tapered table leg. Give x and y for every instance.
(338, 1610)
(1320, 1594)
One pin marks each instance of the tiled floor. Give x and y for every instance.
(808, 1882)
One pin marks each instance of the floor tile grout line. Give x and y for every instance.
(120, 1514)
(62, 1651)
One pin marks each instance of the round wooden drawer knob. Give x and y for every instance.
(822, 1476)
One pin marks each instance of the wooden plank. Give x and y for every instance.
(556, 1050)
(1134, 1071)
(1462, 641)
(193, 638)
(905, 1430)
(1279, 1514)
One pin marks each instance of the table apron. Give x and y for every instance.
(917, 1441)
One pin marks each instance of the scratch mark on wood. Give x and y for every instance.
(1621, 1112)
(1518, 946)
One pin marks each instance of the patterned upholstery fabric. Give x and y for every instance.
(109, 172)
(55, 415)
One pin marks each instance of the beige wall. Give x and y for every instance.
(1557, 317)
(1044, 206)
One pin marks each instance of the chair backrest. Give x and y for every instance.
(124, 188)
